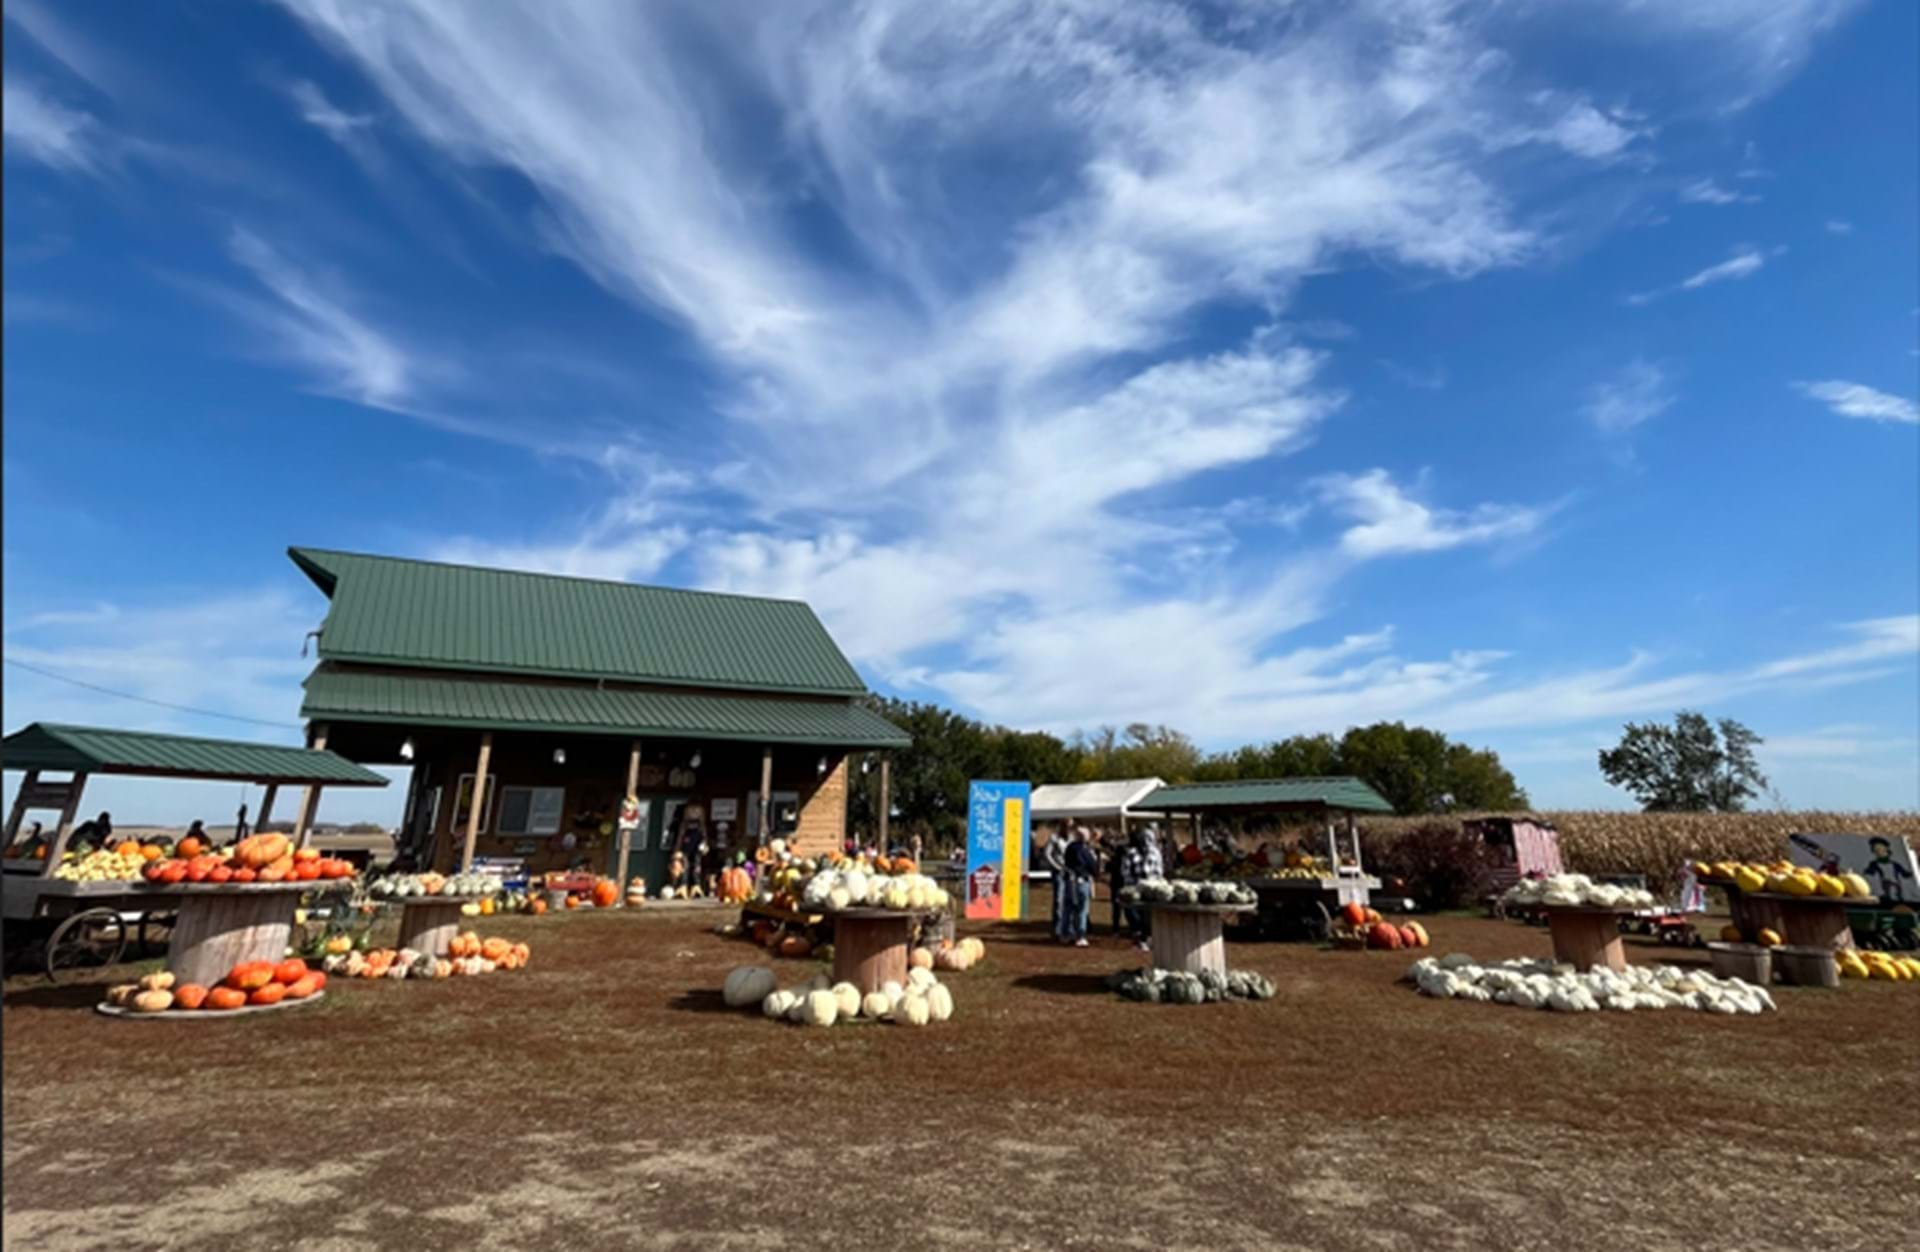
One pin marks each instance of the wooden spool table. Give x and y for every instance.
(1585, 936)
(429, 923)
(1191, 937)
(218, 927)
(870, 947)
(1814, 921)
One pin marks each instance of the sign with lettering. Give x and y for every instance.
(997, 836)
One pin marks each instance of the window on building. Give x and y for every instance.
(786, 814)
(530, 810)
(463, 803)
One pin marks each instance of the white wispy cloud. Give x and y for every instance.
(1635, 393)
(316, 110)
(39, 128)
(1859, 400)
(1390, 522)
(311, 324)
(1745, 262)
(1706, 191)
(1839, 226)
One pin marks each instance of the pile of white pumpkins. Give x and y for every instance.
(1575, 891)
(1539, 984)
(831, 890)
(816, 1002)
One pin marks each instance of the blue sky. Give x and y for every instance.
(1514, 369)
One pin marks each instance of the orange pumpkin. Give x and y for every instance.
(189, 995)
(573, 902)
(293, 969)
(250, 975)
(495, 948)
(272, 993)
(1373, 915)
(220, 873)
(189, 848)
(246, 873)
(318, 977)
(1354, 914)
(795, 945)
(301, 988)
(905, 865)
(538, 906)
(306, 854)
(606, 893)
(129, 849)
(152, 851)
(225, 998)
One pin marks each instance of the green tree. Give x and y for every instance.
(1691, 766)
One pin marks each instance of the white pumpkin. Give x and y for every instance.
(939, 1003)
(838, 899)
(666, 893)
(855, 884)
(896, 896)
(847, 997)
(913, 1011)
(747, 986)
(821, 1008)
(919, 980)
(876, 1005)
(779, 1003)
(917, 898)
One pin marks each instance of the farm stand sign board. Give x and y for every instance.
(996, 847)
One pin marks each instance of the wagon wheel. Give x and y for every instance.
(1318, 922)
(85, 941)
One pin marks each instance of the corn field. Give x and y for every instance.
(1657, 844)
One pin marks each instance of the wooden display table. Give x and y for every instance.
(1191, 937)
(870, 947)
(1814, 921)
(1585, 936)
(218, 927)
(429, 923)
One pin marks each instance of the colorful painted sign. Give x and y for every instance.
(997, 839)
(1886, 862)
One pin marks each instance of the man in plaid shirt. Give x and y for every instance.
(1141, 862)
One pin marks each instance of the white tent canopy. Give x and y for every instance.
(1092, 801)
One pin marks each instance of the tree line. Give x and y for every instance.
(1416, 769)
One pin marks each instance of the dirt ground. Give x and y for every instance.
(604, 1098)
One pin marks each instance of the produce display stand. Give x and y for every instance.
(1304, 907)
(115, 1010)
(219, 927)
(870, 947)
(429, 923)
(1814, 921)
(1585, 936)
(1191, 937)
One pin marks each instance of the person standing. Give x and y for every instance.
(1083, 866)
(1140, 863)
(1053, 854)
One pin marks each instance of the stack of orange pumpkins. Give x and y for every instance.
(501, 953)
(1364, 927)
(250, 983)
(257, 858)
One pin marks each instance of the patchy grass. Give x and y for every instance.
(603, 1098)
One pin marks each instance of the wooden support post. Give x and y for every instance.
(766, 795)
(27, 784)
(478, 803)
(886, 799)
(1353, 837)
(265, 814)
(65, 829)
(310, 799)
(626, 836)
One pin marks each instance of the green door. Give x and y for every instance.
(647, 857)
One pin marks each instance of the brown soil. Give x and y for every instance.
(604, 1098)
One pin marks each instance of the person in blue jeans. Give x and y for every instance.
(1053, 855)
(1083, 865)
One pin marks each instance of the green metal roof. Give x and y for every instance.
(1341, 792)
(418, 700)
(391, 611)
(48, 745)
